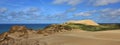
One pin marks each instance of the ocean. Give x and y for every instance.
(6, 27)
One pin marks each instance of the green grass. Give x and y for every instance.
(94, 28)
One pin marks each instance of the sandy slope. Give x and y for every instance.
(86, 22)
(84, 38)
(74, 37)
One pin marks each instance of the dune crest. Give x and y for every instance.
(86, 22)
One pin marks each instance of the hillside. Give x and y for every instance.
(63, 34)
(73, 37)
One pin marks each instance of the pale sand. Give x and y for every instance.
(84, 38)
(75, 37)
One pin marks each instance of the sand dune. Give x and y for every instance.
(86, 22)
(84, 38)
(73, 37)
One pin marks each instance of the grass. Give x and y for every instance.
(94, 28)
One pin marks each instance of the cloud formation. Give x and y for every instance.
(3, 10)
(83, 14)
(104, 2)
(91, 2)
(30, 14)
(33, 9)
(110, 12)
(64, 15)
(69, 2)
(21, 15)
(71, 9)
(103, 13)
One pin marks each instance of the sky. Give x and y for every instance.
(59, 11)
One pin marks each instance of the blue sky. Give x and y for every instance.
(59, 11)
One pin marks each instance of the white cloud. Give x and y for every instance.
(69, 2)
(92, 2)
(110, 12)
(71, 9)
(106, 13)
(33, 9)
(83, 14)
(104, 2)
(3, 10)
(63, 15)
(22, 14)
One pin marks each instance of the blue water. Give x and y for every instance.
(6, 27)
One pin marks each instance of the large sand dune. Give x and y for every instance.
(86, 22)
(84, 38)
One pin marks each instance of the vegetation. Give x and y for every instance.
(102, 27)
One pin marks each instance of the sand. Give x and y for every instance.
(84, 38)
(86, 22)
(74, 37)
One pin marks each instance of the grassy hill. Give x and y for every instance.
(101, 27)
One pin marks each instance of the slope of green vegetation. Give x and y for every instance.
(94, 28)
